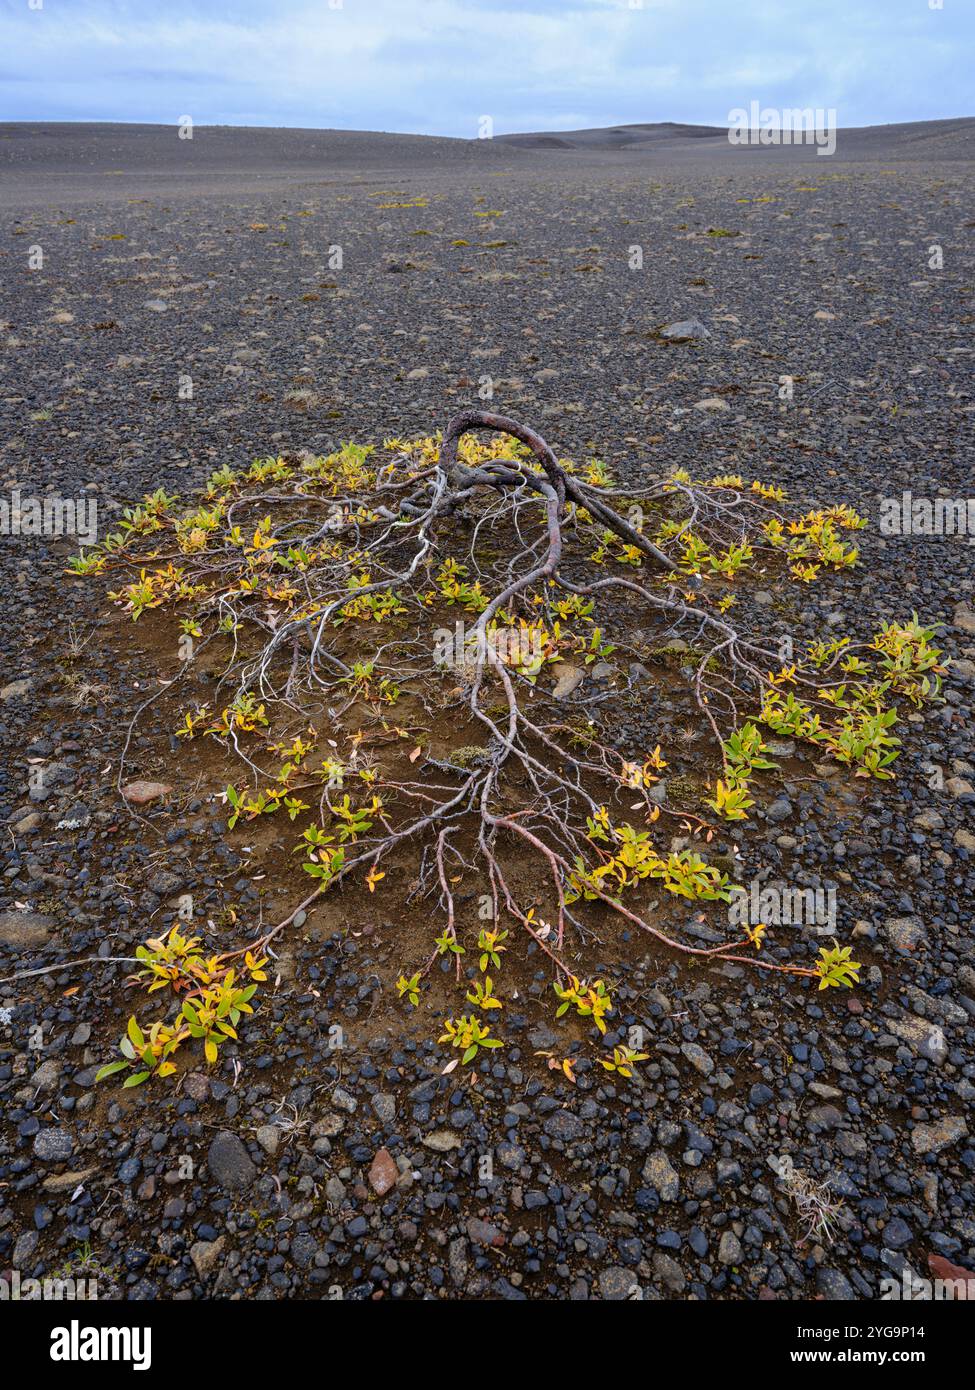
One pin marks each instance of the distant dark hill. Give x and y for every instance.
(615, 137)
(671, 142)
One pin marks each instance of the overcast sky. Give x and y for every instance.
(436, 66)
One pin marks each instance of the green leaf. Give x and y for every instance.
(110, 1069)
(136, 1079)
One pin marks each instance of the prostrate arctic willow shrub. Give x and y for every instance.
(398, 631)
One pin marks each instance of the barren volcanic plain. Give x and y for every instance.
(170, 308)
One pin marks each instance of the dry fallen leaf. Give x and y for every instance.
(963, 1280)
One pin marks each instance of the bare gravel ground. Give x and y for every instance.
(315, 287)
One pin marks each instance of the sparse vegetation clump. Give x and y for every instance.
(212, 995)
(401, 634)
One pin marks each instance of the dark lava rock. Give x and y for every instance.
(229, 1162)
(565, 1126)
(53, 1145)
